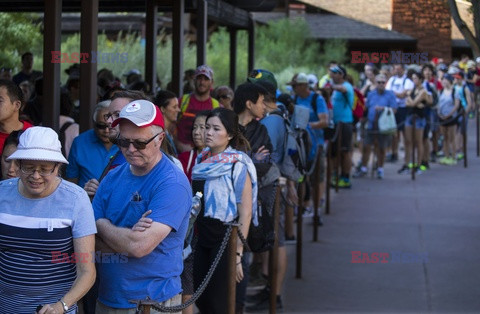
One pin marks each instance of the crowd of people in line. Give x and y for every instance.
(96, 219)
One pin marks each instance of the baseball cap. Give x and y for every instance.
(142, 113)
(39, 143)
(204, 70)
(338, 69)
(299, 78)
(312, 80)
(262, 75)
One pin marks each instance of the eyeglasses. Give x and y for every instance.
(43, 171)
(101, 126)
(224, 96)
(113, 115)
(125, 143)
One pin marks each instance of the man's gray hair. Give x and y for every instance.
(381, 77)
(155, 130)
(101, 105)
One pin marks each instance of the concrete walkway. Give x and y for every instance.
(437, 216)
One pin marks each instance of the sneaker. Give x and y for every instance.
(460, 156)
(433, 157)
(307, 212)
(333, 181)
(344, 183)
(262, 295)
(392, 158)
(360, 173)
(444, 161)
(424, 166)
(418, 170)
(404, 170)
(451, 161)
(380, 173)
(440, 154)
(264, 305)
(256, 278)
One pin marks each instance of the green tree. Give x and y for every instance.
(18, 35)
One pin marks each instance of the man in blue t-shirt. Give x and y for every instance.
(137, 217)
(318, 121)
(342, 102)
(377, 101)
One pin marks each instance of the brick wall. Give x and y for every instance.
(426, 20)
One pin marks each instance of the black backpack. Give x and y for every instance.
(61, 135)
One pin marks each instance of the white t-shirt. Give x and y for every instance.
(399, 84)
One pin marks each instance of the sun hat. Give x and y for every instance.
(204, 70)
(142, 113)
(299, 78)
(39, 143)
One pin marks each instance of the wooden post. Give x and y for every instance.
(413, 146)
(328, 178)
(338, 154)
(151, 47)
(316, 201)
(478, 128)
(464, 124)
(301, 196)
(232, 270)
(273, 254)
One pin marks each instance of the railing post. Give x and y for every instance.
(414, 117)
(301, 196)
(316, 200)
(232, 270)
(338, 154)
(328, 178)
(273, 254)
(464, 125)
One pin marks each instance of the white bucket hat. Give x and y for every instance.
(39, 143)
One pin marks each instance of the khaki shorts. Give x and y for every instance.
(318, 175)
(103, 309)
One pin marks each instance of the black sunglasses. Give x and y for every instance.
(125, 143)
(224, 97)
(101, 126)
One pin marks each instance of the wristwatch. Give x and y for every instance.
(65, 306)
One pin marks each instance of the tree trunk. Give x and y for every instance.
(473, 41)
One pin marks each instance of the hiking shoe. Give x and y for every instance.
(380, 173)
(392, 158)
(460, 156)
(265, 305)
(360, 173)
(404, 170)
(262, 295)
(424, 166)
(450, 161)
(344, 183)
(444, 161)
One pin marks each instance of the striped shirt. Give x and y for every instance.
(37, 260)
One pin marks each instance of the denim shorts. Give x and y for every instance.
(420, 123)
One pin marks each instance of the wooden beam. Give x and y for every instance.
(202, 21)
(88, 70)
(177, 46)
(251, 46)
(233, 57)
(51, 70)
(150, 48)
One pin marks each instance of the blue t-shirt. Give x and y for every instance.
(36, 243)
(343, 103)
(386, 99)
(122, 198)
(276, 131)
(88, 157)
(315, 134)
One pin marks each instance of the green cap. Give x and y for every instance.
(262, 75)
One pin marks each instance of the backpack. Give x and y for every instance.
(61, 135)
(358, 108)
(297, 145)
(261, 238)
(432, 90)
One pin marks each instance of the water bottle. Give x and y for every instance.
(196, 204)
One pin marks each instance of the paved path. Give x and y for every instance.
(438, 215)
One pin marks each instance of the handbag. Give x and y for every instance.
(386, 121)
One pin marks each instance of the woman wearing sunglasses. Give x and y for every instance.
(228, 180)
(47, 231)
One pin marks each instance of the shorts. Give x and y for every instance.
(318, 175)
(420, 123)
(187, 274)
(383, 140)
(104, 309)
(346, 140)
(400, 117)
